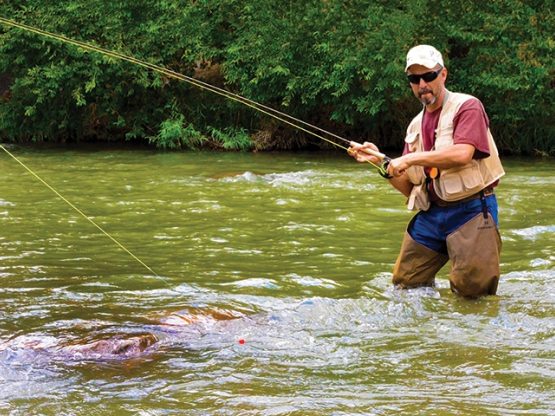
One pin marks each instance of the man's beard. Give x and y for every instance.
(426, 101)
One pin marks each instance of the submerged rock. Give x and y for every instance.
(175, 327)
(116, 347)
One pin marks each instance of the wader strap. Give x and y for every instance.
(484, 204)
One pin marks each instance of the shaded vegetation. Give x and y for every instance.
(336, 64)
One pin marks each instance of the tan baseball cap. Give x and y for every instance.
(424, 55)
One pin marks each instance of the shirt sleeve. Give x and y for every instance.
(470, 126)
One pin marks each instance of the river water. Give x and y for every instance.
(298, 249)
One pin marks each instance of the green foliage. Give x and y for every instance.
(336, 64)
(231, 138)
(174, 133)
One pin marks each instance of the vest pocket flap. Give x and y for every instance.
(411, 138)
(412, 141)
(474, 180)
(458, 183)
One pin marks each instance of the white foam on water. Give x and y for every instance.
(255, 282)
(309, 281)
(532, 233)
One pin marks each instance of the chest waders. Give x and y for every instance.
(464, 232)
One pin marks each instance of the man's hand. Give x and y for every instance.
(399, 165)
(366, 152)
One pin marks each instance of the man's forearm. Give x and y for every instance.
(402, 184)
(456, 155)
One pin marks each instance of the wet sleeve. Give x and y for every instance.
(471, 127)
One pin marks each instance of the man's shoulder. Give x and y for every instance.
(461, 94)
(463, 98)
(466, 102)
(469, 109)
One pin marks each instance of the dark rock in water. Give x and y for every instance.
(172, 327)
(115, 347)
(23, 349)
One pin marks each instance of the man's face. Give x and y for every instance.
(427, 92)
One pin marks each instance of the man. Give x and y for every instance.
(448, 171)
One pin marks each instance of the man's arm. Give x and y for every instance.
(450, 157)
(402, 184)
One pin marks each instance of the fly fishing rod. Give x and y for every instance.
(276, 114)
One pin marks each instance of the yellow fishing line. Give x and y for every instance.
(278, 115)
(78, 210)
(283, 117)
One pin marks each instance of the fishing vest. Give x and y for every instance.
(455, 183)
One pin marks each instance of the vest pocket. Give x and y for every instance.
(419, 198)
(412, 140)
(459, 183)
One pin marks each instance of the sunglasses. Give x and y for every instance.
(427, 77)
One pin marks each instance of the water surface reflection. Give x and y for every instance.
(298, 249)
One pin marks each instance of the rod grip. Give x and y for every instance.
(371, 152)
